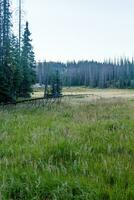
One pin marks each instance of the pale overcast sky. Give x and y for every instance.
(81, 29)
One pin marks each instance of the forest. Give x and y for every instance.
(17, 62)
(109, 74)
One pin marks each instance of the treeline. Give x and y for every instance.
(115, 74)
(17, 64)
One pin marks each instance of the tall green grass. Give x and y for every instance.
(68, 152)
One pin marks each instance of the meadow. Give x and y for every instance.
(73, 150)
(98, 93)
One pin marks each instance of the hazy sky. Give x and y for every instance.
(81, 29)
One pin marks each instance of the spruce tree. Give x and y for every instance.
(56, 85)
(6, 71)
(28, 64)
(16, 66)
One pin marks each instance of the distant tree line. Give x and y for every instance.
(109, 74)
(17, 66)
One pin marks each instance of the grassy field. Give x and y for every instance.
(68, 151)
(98, 93)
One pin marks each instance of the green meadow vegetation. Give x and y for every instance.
(67, 151)
(77, 148)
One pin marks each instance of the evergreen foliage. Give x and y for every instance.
(28, 64)
(15, 60)
(56, 86)
(6, 70)
(17, 65)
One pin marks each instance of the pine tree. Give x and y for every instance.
(56, 85)
(6, 71)
(28, 64)
(15, 63)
